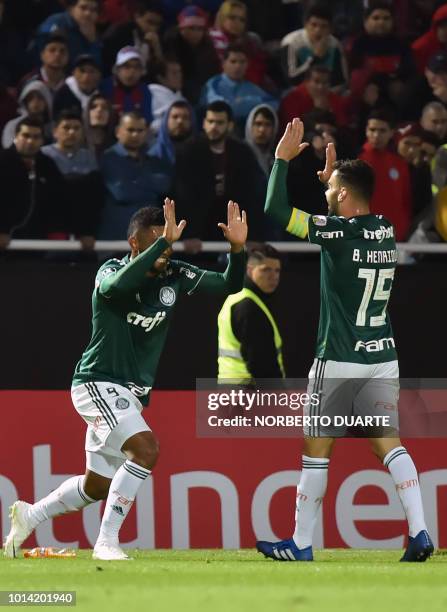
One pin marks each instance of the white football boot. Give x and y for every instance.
(108, 551)
(20, 528)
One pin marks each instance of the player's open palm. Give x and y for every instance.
(172, 231)
(235, 231)
(291, 143)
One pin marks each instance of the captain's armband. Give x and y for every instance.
(298, 223)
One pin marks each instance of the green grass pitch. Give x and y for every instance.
(238, 581)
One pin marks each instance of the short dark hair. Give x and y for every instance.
(145, 218)
(29, 122)
(68, 114)
(266, 112)
(383, 114)
(219, 106)
(235, 48)
(377, 5)
(319, 115)
(320, 9)
(136, 115)
(74, 2)
(69, 3)
(141, 7)
(261, 252)
(161, 67)
(358, 175)
(181, 104)
(56, 37)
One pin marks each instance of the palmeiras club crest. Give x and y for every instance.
(167, 296)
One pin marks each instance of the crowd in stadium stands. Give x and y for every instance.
(110, 105)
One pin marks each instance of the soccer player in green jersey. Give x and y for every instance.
(355, 338)
(133, 302)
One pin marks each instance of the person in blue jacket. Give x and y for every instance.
(78, 24)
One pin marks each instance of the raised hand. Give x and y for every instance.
(172, 231)
(291, 143)
(235, 231)
(331, 156)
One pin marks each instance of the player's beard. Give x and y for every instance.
(333, 204)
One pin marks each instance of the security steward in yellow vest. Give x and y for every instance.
(250, 345)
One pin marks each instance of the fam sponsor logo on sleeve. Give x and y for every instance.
(330, 235)
(320, 220)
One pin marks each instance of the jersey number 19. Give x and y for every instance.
(375, 291)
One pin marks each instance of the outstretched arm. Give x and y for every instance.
(295, 221)
(232, 280)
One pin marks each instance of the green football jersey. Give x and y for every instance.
(358, 261)
(131, 319)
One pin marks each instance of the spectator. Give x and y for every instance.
(231, 86)
(379, 50)
(125, 88)
(99, 125)
(83, 184)
(34, 101)
(132, 177)
(434, 119)
(54, 58)
(177, 126)
(32, 189)
(315, 45)
(429, 147)
(79, 24)
(429, 87)
(433, 41)
(392, 193)
(190, 43)
(231, 29)
(261, 132)
(79, 87)
(314, 92)
(165, 91)
(142, 32)
(211, 169)
(250, 345)
(409, 146)
(172, 8)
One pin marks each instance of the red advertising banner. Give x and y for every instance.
(207, 493)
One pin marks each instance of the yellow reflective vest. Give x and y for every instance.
(232, 368)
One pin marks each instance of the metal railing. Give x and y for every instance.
(207, 247)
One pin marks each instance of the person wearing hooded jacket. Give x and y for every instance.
(34, 101)
(179, 124)
(433, 41)
(261, 130)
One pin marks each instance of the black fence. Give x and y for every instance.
(46, 309)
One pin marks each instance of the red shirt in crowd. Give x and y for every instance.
(299, 102)
(392, 193)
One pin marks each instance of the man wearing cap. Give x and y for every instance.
(190, 43)
(79, 87)
(125, 88)
(78, 24)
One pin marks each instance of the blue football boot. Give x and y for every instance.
(419, 548)
(284, 550)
